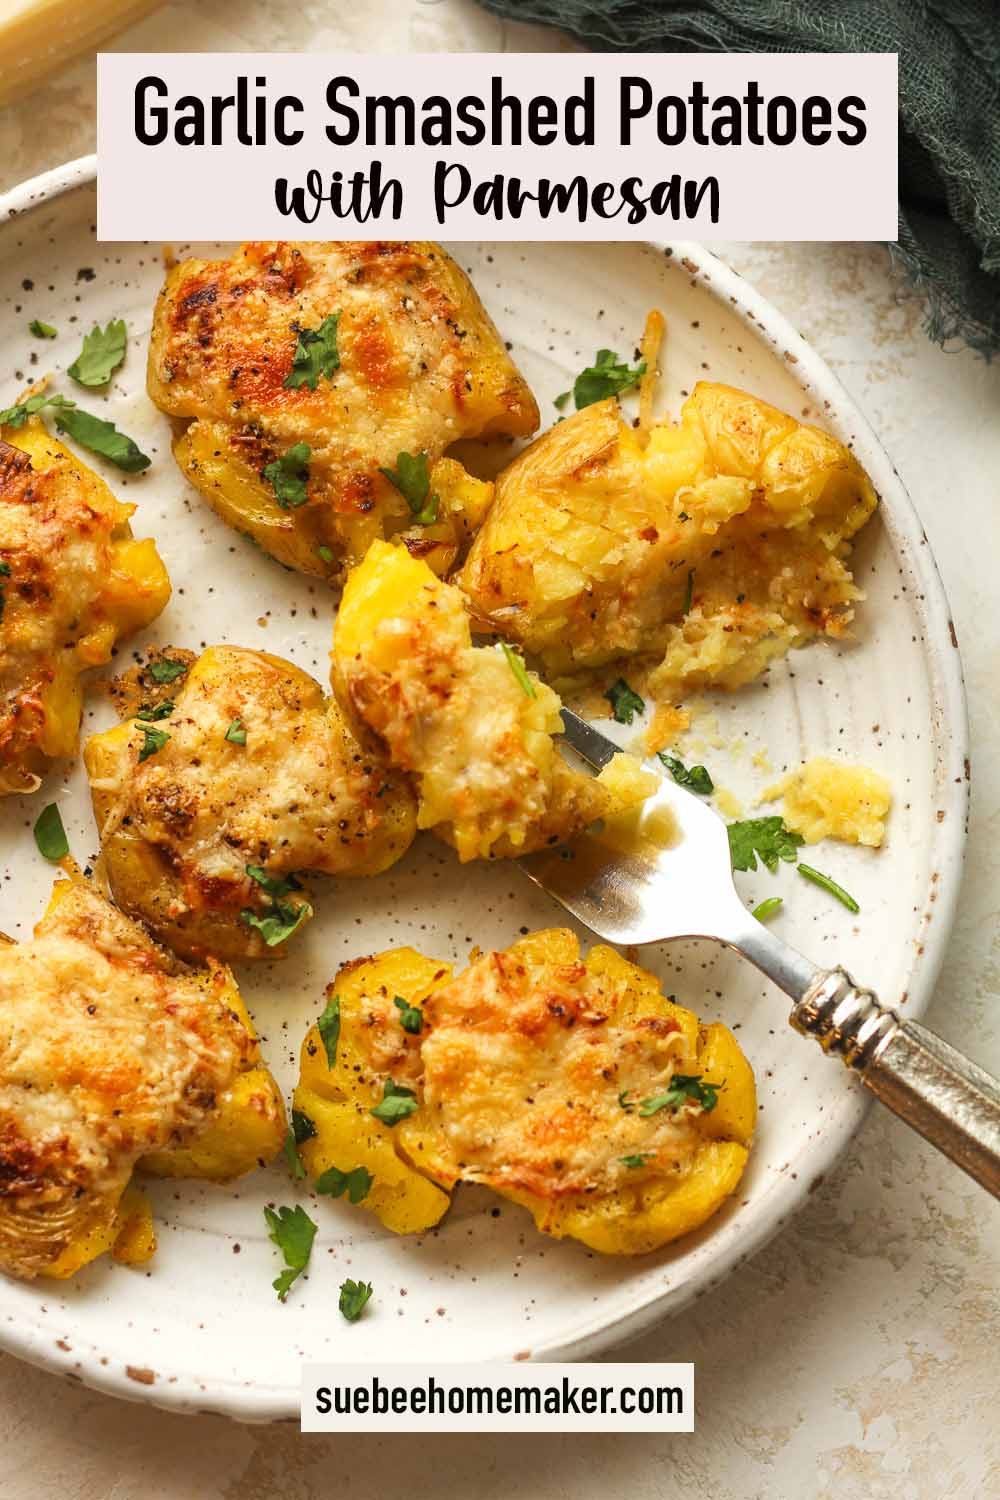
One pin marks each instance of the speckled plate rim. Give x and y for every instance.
(632, 1315)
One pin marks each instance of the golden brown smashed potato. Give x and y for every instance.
(704, 554)
(469, 723)
(570, 1086)
(211, 805)
(304, 370)
(73, 582)
(113, 1055)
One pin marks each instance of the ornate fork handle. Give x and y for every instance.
(951, 1101)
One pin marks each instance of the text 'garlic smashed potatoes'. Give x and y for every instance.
(111, 1052)
(572, 1087)
(211, 805)
(73, 582)
(704, 554)
(348, 353)
(469, 723)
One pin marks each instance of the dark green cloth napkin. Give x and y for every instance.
(949, 114)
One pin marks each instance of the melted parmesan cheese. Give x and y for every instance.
(421, 366)
(107, 1051)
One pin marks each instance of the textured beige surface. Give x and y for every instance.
(856, 1356)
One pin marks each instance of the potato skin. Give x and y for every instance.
(594, 543)
(640, 1210)
(180, 829)
(73, 582)
(477, 741)
(338, 1100)
(421, 366)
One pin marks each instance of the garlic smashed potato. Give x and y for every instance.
(831, 799)
(115, 1057)
(568, 1085)
(211, 802)
(305, 370)
(469, 723)
(73, 582)
(704, 554)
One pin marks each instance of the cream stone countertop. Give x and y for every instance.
(856, 1356)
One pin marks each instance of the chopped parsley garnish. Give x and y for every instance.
(697, 778)
(103, 351)
(626, 1103)
(315, 354)
(816, 877)
(151, 712)
(624, 703)
(277, 925)
(288, 476)
(354, 1296)
(155, 740)
(689, 592)
(292, 1156)
(325, 555)
(411, 1017)
(411, 477)
(16, 416)
(328, 1027)
(356, 1183)
(768, 908)
(167, 670)
(236, 734)
(42, 330)
(397, 1103)
(607, 376)
(293, 1232)
(638, 1160)
(101, 437)
(274, 885)
(50, 835)
(684, 1087)
(767, 837)
(516, 663)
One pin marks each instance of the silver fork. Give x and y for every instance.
(649, 894)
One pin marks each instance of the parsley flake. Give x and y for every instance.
(638, 1160)
(293, 1232)
(42, 330)
(683, 1087)
(103, 351)
(516, 663)
(236, 733)
(325, 555)
(101, 437)
(626, 1103)
(767, 908)
(292, 1156)
(280, 923)
(397, 1102)
(303, 1128)
(316, 354)
(328, 1027)
(411, 1017)
(167, 670)
(16, 416)
(411, 477)
(50, 835)
(607, 376)
(155, 740)
(356, 1183)
(825, 883)
(354, 1296)
(697, 778)
(624, 703)
(288, 476)
(153, 711)
(767, 837)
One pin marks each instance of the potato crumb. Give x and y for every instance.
(667, 723)
(728, 803)
(829, 799)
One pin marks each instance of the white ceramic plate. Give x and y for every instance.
(201, 1328)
